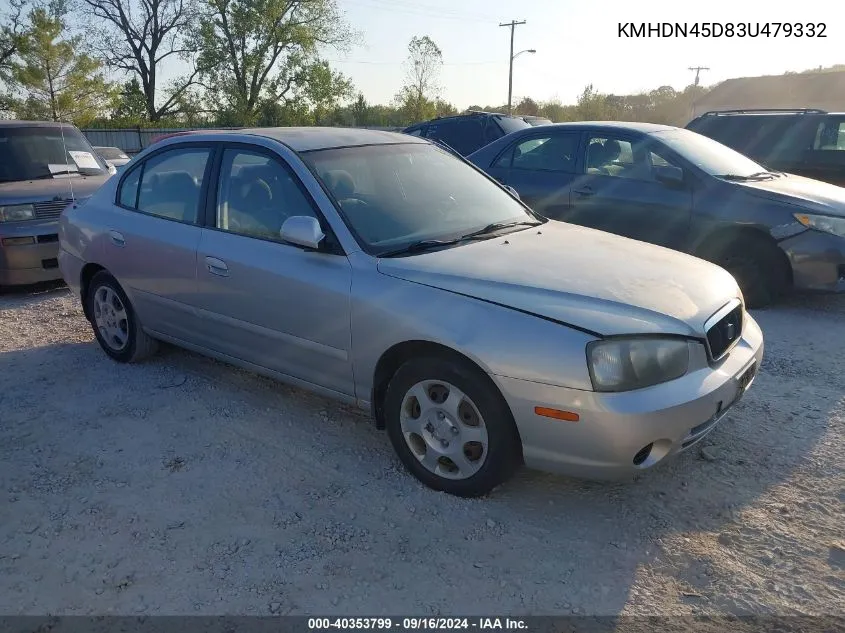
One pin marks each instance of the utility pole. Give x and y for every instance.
(512, 24)
(698, 70)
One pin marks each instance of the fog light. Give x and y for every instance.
(18, 241)
(643, 454)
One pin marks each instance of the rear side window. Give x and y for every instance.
(830, 135)
(167, 185)
(554, 152)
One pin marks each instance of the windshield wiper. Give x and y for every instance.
(756, 176)
(419, 247)
(424, 245)
(498, 226)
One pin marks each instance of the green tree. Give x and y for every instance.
(138, 36)
(361, 111)
(266, 51)
(417, 98)
(130, 103)
(444, 108)
(53, 76)
(528, 107)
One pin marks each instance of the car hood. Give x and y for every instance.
(809, 194)
(585, 278)
(49, 189)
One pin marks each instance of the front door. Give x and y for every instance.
(152, 235)
(541, 168)
(621, 190)
(264, 301)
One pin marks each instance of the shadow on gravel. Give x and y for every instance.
(287, 504)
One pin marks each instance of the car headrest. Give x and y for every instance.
(595, 155)
(340, 182)
(612, 150)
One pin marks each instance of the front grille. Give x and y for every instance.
(725, 333)
(50, 208)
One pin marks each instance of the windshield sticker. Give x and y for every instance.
(62, 170)
(84, 160)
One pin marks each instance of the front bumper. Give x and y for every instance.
(614, 428)
(29, 252)
(818, 261)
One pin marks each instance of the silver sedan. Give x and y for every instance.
(385, 271)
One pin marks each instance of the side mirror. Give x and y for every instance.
(669, 175)
(512, 191)
(302, 230)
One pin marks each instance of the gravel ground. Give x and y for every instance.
(184, 486)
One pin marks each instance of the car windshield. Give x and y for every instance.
(709, 155)
(111, 153)
(29, 153)
(395, 195)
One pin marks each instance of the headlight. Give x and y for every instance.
(626, 364)
(16, 212)
(826, 223)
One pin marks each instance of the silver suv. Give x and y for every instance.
(44, 167)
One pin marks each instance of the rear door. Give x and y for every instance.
(151, 239)
(264, 301)
(620, 191)
(541, 167)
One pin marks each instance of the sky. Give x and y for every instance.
(577, 43)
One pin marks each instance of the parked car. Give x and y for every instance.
(114, 156)
(536, 120)
(684, 191)
(467, 132)
(382, 270)
(44, 167)
(807, 143)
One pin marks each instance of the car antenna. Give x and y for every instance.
(64, 158)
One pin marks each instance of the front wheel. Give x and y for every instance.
(758, 271)
(115, 323)
(450, 427)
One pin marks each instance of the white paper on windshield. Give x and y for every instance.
(84, 160)
(59, 170)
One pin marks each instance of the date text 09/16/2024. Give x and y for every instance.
(418, 624)
(721, 29)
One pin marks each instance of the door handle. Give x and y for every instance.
(217, 267)
(117, 238)
(584, 192)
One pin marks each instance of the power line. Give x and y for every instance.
(420, 10)
(362, 61)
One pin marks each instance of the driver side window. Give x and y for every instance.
(256, 194)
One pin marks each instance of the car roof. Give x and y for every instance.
(633, 126)
(17, 123)
(306, 139)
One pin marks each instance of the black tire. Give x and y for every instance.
(139, 344)
(503, 454)
(759, 271)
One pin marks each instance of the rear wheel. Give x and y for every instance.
(450, 427)
(115, 323)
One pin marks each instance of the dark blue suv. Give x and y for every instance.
(465, 133)
(676, 188)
